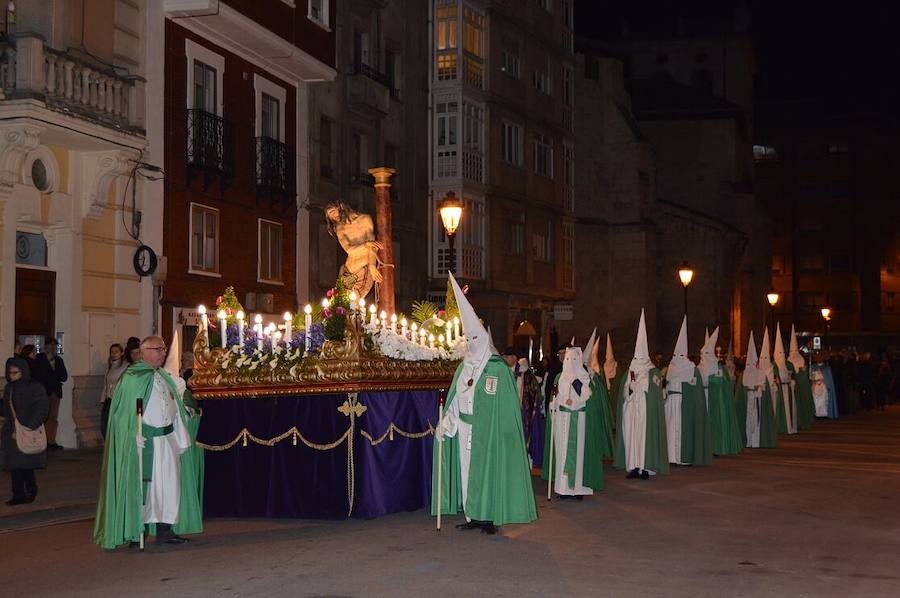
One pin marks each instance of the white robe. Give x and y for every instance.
(454, 425)
(754, 396)
(561, 424)
(789, 412)
(164, 489)
(634, 421)
(673, 423)
(819, 393)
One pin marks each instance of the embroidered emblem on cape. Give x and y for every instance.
(490, 385)
(656, 379)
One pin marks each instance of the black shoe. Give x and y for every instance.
(564, 497)
(30, 498)
(469, 525)
(645, 475)
(488, 528)
(176, 540)
(17, 500)
(579, 498)
(54, 447)
(633, 474)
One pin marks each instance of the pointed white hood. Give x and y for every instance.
(586, 352)
(641, 363)
(795, 357)
(573, 369)
(173, 363)
(765, 359)
(681, 369)
(610, 365)
(709, 365)
(778, 356)
(594, 362)
(479, 346)
(753, 377)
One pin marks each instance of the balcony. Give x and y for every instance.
(31, 70)
(210, 148)
(369, 91)
(276, 171)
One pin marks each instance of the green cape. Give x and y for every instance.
(806, 407)
(499, 488)
(696, 431)
(740, 409)
(656, 451)
(780, 413)
(723, 418)
(119, 517)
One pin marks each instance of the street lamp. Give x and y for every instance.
(772, 296)
(686, 275)
(826, 315)
(451, 208)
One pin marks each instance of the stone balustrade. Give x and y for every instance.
(31, 69)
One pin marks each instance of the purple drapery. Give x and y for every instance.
(299, 481)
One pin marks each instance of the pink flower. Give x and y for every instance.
(340, 311)
(326, 312)
(219, 300)
(330, 293)
(441, 313)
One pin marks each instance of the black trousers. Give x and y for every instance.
(23, 483)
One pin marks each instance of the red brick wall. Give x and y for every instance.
(238, 205)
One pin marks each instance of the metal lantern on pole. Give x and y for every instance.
(772, 296)
(826, 315)
(686, 276)
(450, 209)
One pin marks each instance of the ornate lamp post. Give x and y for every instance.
(686, 276)
(772, 296)
(451, 208)
(826, 315)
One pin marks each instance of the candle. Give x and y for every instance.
(383, 317)
(362, 306)
(373, 318)
(403, 327)
(394, 323)
(440, 340)
(431, 341)
(422, 334)
(352, 301)
(222, 323)
(240, 321)
(307, 322)
(276, 338)
(449, 329)
(325, 302)
(257, 328)
(414, 337)
(288, 324)
(204, 319)
(455, 327)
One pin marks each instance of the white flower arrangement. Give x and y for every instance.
(397, 346)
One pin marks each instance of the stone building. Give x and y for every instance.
(502, 104)
(676, 165)
(373, 114)
(72, 140)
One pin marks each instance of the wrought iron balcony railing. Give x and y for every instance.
(210, 147)
(276, 170)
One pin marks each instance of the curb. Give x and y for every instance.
(50, 516)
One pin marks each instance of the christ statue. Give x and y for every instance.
(356, 234)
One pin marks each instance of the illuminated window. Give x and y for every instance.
(446, 27)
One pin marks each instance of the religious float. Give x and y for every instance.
(330, 413)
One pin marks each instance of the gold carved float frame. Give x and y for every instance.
(345, 366)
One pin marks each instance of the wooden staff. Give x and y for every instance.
(552, 449)
(440, 459)
(140, 428)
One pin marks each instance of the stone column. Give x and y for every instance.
(384, 235)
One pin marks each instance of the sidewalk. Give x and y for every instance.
(67, 491)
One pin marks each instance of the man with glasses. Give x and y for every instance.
(162, 494)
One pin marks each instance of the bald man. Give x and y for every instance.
(130, 499)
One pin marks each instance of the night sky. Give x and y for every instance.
(840, 53)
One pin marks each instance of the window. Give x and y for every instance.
(271, 117)
(472, 122)
(393, 66)
(514, 232)
(360, 157)
(509, 64)
(269, 251)
(446, 123)
(778, 264)
(318, 12)
(812, 264)
(542, 243)
(270, 101)
(541, 81)
(473, 31)
(545, 4)
(568, 14)
(446, 67)
(361, 50)
(513, 150)
(764, 152)
(568, 87)
(204, 239)
(569, 177)
(205, 87)
(446, 27)
(327, 149)
(204, 73)
(543, 155)
(889, 301)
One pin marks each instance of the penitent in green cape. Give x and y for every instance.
(119, 517)
(656, 449)
(727, 438)
(806, 408)
(499, 488)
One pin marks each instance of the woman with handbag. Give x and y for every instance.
(25, 408)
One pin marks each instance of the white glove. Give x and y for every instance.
(141, 441)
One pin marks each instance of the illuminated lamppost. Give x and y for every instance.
(826, 315)
(773, 297)
(451, 209)
(686, 276)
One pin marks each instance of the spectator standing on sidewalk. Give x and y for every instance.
(50, 371)
(133, 350)
(29, 401)
(115, 366)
